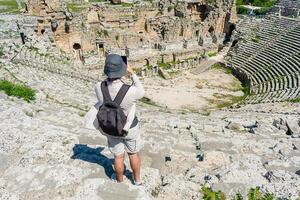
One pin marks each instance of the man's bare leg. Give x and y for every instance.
(119, 167)
(135, 163)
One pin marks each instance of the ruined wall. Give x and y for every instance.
(165, 28)
(42, 7)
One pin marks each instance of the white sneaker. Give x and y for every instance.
(137, 183)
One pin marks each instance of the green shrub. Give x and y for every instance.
(259, 3)
(96, 1)
(253, 194)
(209, 194)
(263, 3)
(76, 8)
(1, 51)
(262, 11)
(126, 4)
(148, 101)
(239, 2)
(238, 196)
(241, 10)
(296, 100)
(164, 65)
(102, 33)
(210, 1)
(17, 90)
(9, 6)
(212, 53)
(256, 39)
(227, 70)
(170, 8)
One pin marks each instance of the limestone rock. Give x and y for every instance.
(163, 73)
(235, 126)
(215, 159)
(293, 127)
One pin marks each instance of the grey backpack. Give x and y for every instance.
(110, 116)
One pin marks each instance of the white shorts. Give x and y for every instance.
(131, 143)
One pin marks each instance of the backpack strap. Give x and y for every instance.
(105, 92)
(121, 94)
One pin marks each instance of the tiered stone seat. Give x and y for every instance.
(273, 65)
(271, 29)
(32, 58)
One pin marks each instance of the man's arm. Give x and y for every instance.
(99, 93)
(139, 92)
(139, 89)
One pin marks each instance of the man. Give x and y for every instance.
(115, 69)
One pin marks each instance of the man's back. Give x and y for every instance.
(135, 92)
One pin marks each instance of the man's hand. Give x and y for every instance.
(130, 70)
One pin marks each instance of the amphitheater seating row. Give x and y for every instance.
(273, 64)
(30, 58)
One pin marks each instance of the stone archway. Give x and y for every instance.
(78, 52)
(213, 36)
(204, 11)
(229, 32)
(100, 48)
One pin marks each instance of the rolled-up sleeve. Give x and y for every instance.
(98, 93)
(139, 89)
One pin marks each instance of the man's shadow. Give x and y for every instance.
(93, 155)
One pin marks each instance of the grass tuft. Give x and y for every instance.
(209, 194)
(212, 54)
(253, 194)
(227, 70)
(76, 8)
(148, 101)
(9, 6)
(126, 5)
(296, 100)
(17, 90)
(1, 51)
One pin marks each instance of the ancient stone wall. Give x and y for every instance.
(164, 27)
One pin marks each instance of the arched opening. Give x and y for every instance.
(42, 31)
(76, 46)
(141, 39)
(78, 52)
(54, 25)
(229, 33)
(211, 29)
(200, 41)
(163, 33)
(234, 43)
(197, 34)
(67, 27)
(203, 11)
(100, 47)
(181, 31)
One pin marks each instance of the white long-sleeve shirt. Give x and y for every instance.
(135, 92)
